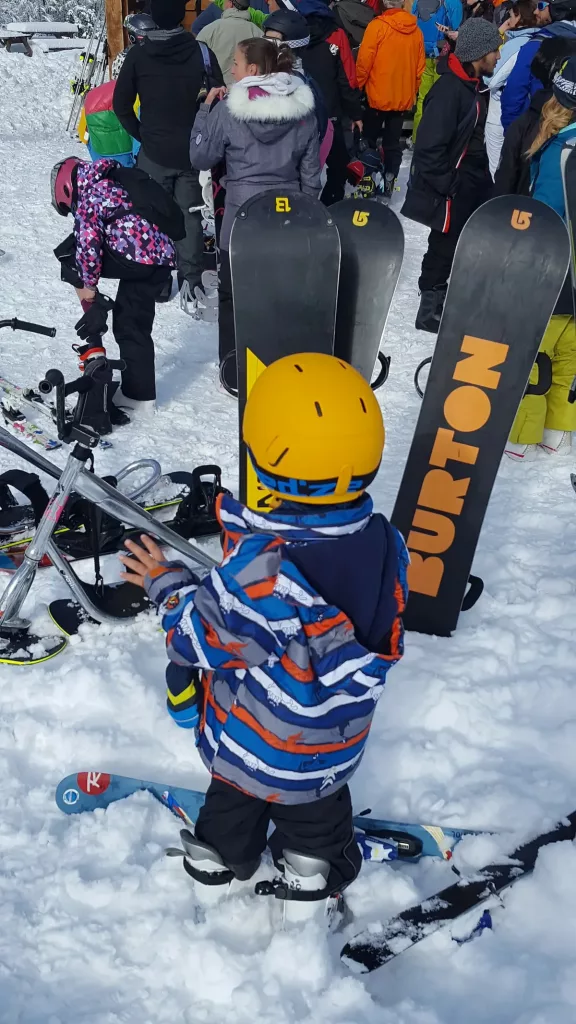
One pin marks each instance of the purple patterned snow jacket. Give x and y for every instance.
(96, 222)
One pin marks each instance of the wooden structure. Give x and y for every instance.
(116, 11)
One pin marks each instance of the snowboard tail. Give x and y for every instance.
(369, 950)
(285, 264)
(492, 326)
(372, 242)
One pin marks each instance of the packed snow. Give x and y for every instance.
(479, 730)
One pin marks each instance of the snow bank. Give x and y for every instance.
(96, 925)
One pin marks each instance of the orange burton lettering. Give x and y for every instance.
(467, 408)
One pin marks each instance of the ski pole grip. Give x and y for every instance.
(24, 325)
(53, 379)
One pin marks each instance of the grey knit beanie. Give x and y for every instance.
(476, 38)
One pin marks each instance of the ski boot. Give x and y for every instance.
(389, 183)
(430, 309)
(521, 452)
(99, 412)
(123, 404)
(556, 442)
(303, 891)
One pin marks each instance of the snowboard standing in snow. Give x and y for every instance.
(493, 322)
(369, 950)
(568, 164)
(372, 242)
(91, 791)
(285, 262)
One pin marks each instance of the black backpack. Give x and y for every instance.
(150, 200)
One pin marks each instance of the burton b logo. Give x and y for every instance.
(360, 219)
(521, 220)
(282, 205)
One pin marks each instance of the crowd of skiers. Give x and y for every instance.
(266, 98)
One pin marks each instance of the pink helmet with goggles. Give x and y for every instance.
(62, 181)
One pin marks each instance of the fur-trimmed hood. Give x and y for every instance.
(270, 104)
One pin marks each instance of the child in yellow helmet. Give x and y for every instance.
(278, 657)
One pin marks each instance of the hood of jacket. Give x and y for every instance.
(357, 12)
(399, 20)
(562, 28)
(450, 65)
(326, 547)
(233, 12)
(320, 28)
(176, 49)
(270, 104)
(538, 100)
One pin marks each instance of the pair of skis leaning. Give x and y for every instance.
(379, 839)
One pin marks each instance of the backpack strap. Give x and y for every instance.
(205, 57)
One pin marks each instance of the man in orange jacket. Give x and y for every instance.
(390, 64)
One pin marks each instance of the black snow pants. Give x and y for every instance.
(236, 825)
(336, 167)
(438, 258)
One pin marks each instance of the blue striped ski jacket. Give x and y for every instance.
(294, 634)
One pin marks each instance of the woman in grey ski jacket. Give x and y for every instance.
(266, 131)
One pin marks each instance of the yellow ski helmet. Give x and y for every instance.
(313, 429)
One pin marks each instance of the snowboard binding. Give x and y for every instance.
(97, 602)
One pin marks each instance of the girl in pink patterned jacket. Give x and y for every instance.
(111, 240)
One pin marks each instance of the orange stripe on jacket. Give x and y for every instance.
(274, 798)
(302, 675)
(325, 625)
(264, 588)
(292, 745)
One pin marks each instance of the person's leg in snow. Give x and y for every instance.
(336, 167)
(313, 844)
(132, 321)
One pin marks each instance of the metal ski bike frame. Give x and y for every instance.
(75, 477)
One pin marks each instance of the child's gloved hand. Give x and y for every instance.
(142, 561)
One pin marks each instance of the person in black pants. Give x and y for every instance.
(111, 240)
(169, 75)
(450, 176)
(329, 62)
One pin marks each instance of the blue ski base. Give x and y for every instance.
(378, 838)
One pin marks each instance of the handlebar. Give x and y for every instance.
(25, 325)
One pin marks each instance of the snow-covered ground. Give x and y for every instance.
(96, 925)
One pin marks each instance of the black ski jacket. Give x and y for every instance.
(450, 152)
(513, 174)
(167, 74)
(328, 60)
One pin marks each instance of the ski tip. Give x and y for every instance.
(349, 961)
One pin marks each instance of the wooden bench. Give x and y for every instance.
(60, 29)
(8, 39)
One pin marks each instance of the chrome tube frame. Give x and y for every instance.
(75, 477)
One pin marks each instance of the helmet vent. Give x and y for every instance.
(362, 404)
(299, 368)
(318, 408)
(280, 457)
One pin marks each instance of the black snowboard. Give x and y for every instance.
(509, 268)
(367, 951)
(568, 164)
(285, 262)
(372, 242)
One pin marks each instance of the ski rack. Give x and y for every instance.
(17, 646)
(93, 70)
